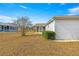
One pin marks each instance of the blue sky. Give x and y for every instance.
(37, 12)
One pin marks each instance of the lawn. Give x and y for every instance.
(33, 44)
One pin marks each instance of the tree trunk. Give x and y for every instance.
(23, 31)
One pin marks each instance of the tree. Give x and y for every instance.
(15, 23)
(23, 23)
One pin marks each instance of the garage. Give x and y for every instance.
(67, 27)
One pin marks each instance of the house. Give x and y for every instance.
(7, 27)
(39, 27)
(67, 27)
(50, 26)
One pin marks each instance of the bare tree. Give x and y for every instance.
(15, 23)
(23, 23)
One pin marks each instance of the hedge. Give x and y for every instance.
(48, 34)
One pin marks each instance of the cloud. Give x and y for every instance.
(73, 11)
(62, 3)
(71, 14)
(49, 3)
(23, 7)
(6, 19)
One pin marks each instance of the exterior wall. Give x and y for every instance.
(51, 26)
(0, 27)
(5, 28)
(39, 28)
(67, 29)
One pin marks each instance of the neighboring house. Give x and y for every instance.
(39, 27)
(50, 26)
(67, 27)
(7, 27)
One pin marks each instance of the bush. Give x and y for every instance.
(48, 34)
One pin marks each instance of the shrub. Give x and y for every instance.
(48, 34)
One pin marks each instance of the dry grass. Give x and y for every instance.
(13, 44)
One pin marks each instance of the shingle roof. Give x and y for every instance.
(40, 24)
(51, 20)
(63, 18)
(66, 17)
(7, 24)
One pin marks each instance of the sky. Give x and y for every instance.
(37, 12)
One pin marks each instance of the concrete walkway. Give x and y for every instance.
(67, 40)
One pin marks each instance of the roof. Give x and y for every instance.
(50, 21)
(40, 24)
(66, 17)
(62, 18)
(7, 24)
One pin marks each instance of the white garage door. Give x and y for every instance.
(67, 29)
